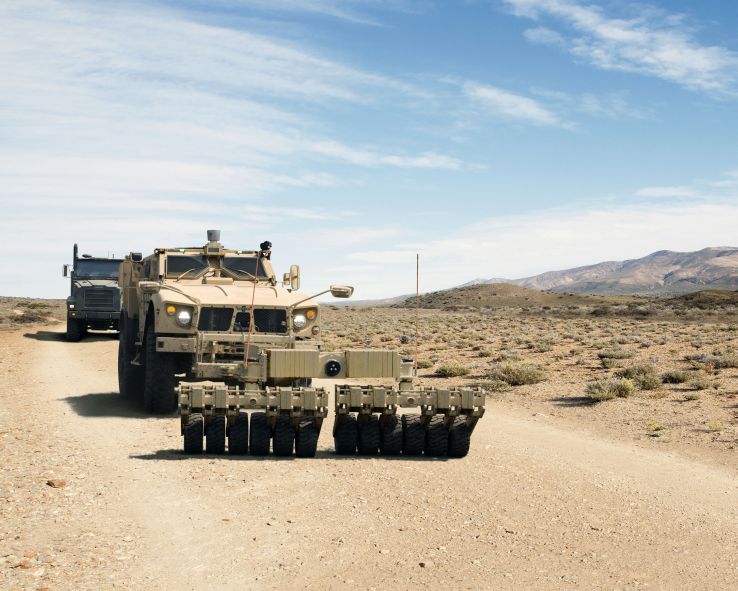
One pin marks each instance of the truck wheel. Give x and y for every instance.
(413, 435)
(283, 443)
(215, 435)
(459, 438)
(306, 439)
(130, 377)
(436, 437)
(260, 434)
(159, 378)
(238, 435)
(369, 435)
(346, 435)
(390, 443)
(193, 434)
(74, 330)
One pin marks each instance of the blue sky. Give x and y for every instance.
(497, 138)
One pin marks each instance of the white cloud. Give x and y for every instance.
(671, 192)
(655, 43)
(544, 36)
(507, 105)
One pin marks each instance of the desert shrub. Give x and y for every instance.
(495, 386)
(675, 376)
(644, 376)
(720, 361)
(692, 396)
(518, 373)
(33, 305)
(452, 370)
(615, 354)
(424, 363)
(609, 388)
(699, 382)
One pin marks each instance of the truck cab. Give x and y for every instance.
(94, 301)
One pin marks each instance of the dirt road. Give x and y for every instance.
(534, 505)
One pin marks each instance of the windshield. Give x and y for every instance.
(97, 269)
(242, 267)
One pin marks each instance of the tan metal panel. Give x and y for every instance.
(290, 363)
(368, 363)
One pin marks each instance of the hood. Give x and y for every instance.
(234, 295)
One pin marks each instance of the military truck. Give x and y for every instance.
(94, 300)
(209, 330)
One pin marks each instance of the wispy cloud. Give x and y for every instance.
(655, 43)
(508, 105)
(668, 192)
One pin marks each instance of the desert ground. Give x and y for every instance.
(562, 489)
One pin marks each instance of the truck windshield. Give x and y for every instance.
(97, 269)
(178, 264)
(242, 267)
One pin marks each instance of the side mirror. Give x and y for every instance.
(65, 271)
(342, 291)
(149, 286)
(136, 257)
(294, 277)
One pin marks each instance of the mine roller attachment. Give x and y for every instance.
(285, 419)
(368, 420)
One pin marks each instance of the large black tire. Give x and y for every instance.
(193, 434)
(390, 443)
(238, 435)
(346, 435)
(436, 437)
(75, 330)
(283, 443)
(413, 435)
(260, 434)
(459, 438)
(215, 435)
(130, 377)
(369, 436)
(306, 438)
(159, 378)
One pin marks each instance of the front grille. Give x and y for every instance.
(265, 321)
(99, 299)
(215, 319)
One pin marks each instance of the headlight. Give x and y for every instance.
(299, 321)
(184, 317)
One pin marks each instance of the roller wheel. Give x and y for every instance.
(159, 379)
(459, 438)
(413, 435)
(390, 443)
(260, 435)
(346, 435)
(436, 437)
(306, 438)
(74, 329)
(193, 434)
(215, 435)
(284, 437)
(238, 435)
(369, 435)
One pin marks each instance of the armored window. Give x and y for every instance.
(180, 264)
(245, 266)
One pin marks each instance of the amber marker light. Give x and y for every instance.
(171, 310)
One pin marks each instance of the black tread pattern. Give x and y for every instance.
(215, 435)
(413, 435)
(74, 330)
(345, 435)
(193, 431)
(260, 434)
(238, 435)
(306, 438)
(436, 437)
(283, 443)
(459, 438)
(159, 378)
(367, 443)
(391, 440)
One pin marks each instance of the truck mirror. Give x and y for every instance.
(294, 277)
(65, 271)
(342, 291)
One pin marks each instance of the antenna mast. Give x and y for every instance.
(417, 306)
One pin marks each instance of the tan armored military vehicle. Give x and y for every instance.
(210, 331)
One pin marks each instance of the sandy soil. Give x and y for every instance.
(539, 502)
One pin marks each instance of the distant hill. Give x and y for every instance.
(661, 273)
